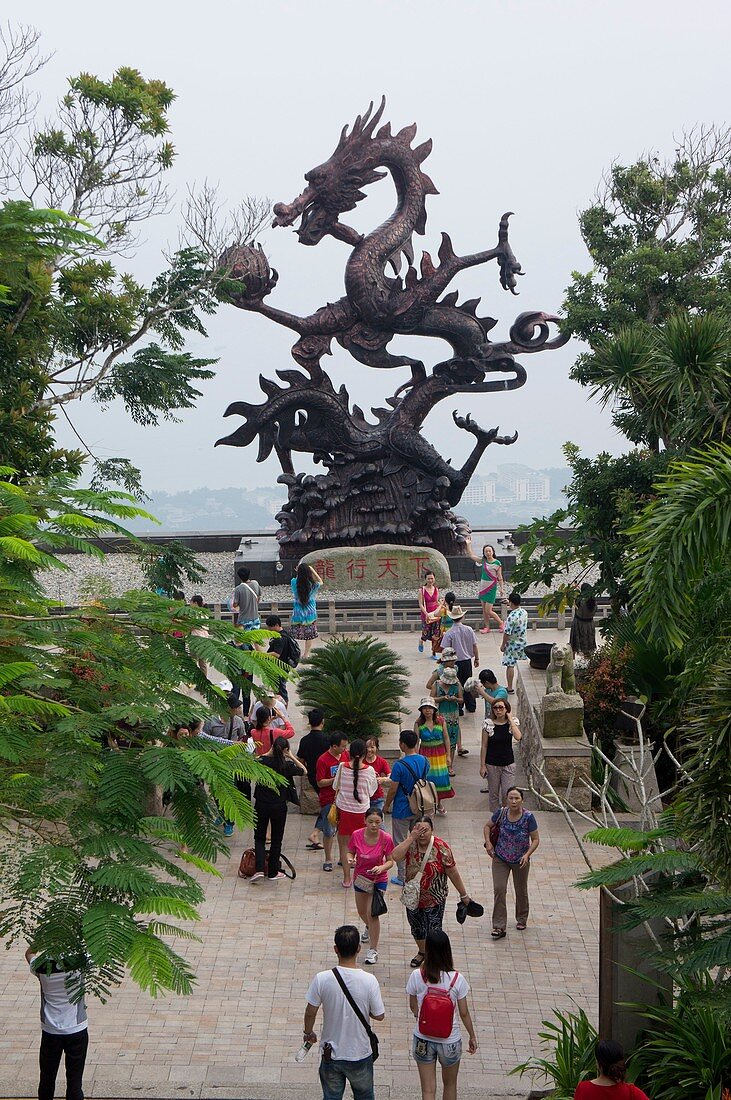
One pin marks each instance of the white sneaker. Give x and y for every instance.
(365, 936)
(371, 957)
(257, 875)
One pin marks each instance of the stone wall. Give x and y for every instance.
(565, 760)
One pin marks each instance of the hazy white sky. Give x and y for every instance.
(527, 102)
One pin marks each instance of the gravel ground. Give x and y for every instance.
(88, 577)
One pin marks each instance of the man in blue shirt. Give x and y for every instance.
(405, 773)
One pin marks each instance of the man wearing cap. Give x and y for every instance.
(463, 640)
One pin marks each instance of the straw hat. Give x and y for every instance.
(457, 613)
(448, 654)
(449, 676)
(427, 701)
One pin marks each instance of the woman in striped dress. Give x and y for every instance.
(449, 697)
(434, 747)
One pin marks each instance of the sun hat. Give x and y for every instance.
(457, 613)
(427, 701)
(448, 654)
(449, 676)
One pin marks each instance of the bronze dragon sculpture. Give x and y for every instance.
(385, 482)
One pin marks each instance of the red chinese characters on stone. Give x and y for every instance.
(356, 568)
(420, 563)
(326, 568)
(388, 567)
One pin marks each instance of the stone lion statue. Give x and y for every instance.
(560, 672)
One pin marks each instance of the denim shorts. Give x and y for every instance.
(323, 824)
(431, 1050)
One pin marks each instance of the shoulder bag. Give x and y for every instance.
(494, 833)
(410, 893)
(368, 1029)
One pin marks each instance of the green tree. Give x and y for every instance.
(166, 568)
(74, 323)
(88, 704)
(659, 238)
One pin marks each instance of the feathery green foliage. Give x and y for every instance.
(89, 701)
(358, 683)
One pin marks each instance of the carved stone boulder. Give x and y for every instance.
(373, 568)
(562, 715)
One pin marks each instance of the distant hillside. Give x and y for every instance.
(213, 510)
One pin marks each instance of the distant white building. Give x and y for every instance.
(480, 491)
(534, 488)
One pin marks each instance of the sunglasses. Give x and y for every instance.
(498, 706)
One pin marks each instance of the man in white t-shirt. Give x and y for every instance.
(64, 1027)
(345, 1045)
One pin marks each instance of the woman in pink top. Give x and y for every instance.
(428, 604)
(369, 852)
(264, 733)
(610, 1083)
(381, 767)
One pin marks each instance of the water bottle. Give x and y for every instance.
(303, 1051)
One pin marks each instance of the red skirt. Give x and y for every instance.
(349, 822)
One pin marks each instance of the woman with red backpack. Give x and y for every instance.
(435, 990)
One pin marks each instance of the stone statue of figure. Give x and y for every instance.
(560, 673)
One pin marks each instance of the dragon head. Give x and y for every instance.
(334, 186)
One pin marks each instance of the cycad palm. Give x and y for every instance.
(357, 682)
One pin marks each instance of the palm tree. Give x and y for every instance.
(358, 682)
(669, 384)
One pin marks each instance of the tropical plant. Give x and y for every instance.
(681, 537)
(684, 1050)
(166, 568)
(88, 703)
(358, 683)
(602, 687)
(569, 1042)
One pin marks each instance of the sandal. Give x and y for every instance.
(327, 866)
(441, 812)
(452, 775)
(346, 885)
(498, 933)
(313, 847)
(463, 752)
(521, 927)
(417, 960)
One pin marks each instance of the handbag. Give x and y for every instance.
(412, 889)
(247, 866)
(378, 904)
(494, 833)
(333, 815)
(369, 1030)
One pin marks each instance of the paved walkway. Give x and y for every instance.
(237, 1034)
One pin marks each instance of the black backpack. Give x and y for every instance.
(292, 654)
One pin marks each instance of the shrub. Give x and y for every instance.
(570, 1042)
(602, 686)
(684, 1051)
(358, 683)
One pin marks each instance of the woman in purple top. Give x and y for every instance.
(515, 845)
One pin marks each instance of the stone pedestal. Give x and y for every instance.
(562, 715)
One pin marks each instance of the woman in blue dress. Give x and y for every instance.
(305, 586)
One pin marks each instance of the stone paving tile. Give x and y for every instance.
(237, 1034)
